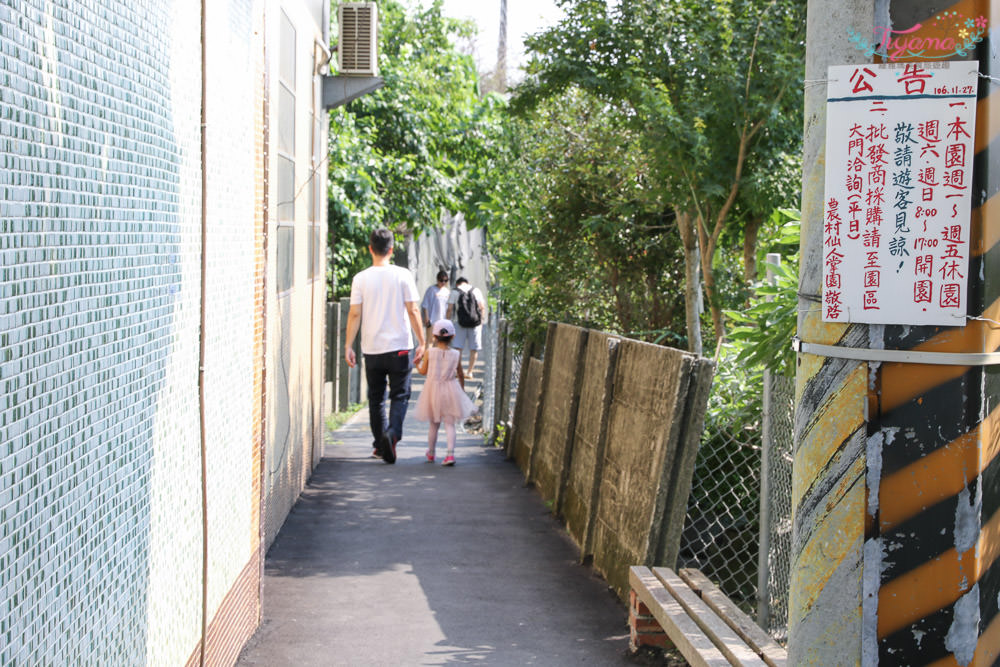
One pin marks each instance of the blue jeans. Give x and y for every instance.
(392, 368)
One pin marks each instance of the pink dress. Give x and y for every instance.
(442, 396)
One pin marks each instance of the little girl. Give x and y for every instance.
(443, 397)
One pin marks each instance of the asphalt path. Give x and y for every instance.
(418, 564)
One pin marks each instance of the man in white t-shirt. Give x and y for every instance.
(467, 336)
(435, 303)
(384, 305)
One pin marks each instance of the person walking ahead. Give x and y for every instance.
(435, 303)
(385, 306)
(467, 308)
(443, 399)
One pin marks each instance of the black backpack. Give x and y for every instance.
(467, 309)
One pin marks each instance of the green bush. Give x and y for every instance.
(762, 335)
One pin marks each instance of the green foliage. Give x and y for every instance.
(355, 205)
(337, 419)
(692, 73)
(420, 145)
(763, 333)
(632, 111)
(577, 233)
(712, 92)
(734, 404)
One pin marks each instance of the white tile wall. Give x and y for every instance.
(100, 199)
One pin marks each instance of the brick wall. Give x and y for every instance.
(230, 295)
(644, 629)
(259, 272)
(232, 397)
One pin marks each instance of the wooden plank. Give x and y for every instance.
(682, 631)
(723, 636)
(773, 653)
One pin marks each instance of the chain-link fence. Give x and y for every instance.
(721, 531)
(776, 511)
(500, 384)
(723, 534)
(515, 376)
(490, 379)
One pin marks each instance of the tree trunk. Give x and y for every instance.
(706, 244)
(621, 302)
(708, 240)
(692, 281)
(750, 234)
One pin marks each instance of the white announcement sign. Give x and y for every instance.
(899, 155)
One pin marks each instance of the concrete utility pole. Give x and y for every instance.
(502, 49)
(828, 491)
(896, 481)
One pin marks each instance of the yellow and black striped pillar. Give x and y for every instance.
(897, 478)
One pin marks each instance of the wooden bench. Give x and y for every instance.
(690, 612)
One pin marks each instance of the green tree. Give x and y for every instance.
(418, 146)
(576, 230)
(714, 91)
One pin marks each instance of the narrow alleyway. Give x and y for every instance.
(416, 564)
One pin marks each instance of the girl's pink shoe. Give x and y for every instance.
(448, 460)
(430, 457)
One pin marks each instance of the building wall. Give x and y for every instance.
(99, 239)
(295, 300)
(234, 105)
(454, 248)
(101, 507)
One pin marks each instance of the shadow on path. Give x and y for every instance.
(416, 564)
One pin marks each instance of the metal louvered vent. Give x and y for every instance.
(357, 49)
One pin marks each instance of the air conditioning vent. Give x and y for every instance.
(357, 48)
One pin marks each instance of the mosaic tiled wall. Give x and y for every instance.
(100, 252)
(99, 213)
(233, 100)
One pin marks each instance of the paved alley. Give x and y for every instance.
(416, 564)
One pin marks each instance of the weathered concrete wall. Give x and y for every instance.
(525, 413)
(589, 437)
(649, 396)
(559, 397)
(609, 429)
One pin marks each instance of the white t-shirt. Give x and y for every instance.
(453, 300)
(436, 302)
(383, 292)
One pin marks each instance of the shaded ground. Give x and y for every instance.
(416, 564)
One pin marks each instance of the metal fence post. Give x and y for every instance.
(344, 376)
(499, 377)
(767, 448)
(333, 353)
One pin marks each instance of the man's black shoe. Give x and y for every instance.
(387, 446)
